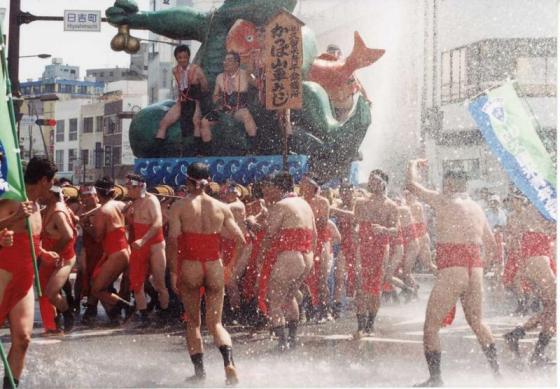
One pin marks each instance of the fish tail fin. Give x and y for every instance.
(362, 56)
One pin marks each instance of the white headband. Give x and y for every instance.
(201, 182)
(88, 190)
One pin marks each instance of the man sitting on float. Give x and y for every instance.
(192, 85)
(231, 97)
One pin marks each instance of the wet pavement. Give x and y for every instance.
(393, 356)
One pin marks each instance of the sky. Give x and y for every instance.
(84, 49)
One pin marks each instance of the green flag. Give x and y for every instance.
(11, 177)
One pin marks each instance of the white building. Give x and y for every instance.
(58, 70)
(91, 140)
(66, 137)
(122, 100)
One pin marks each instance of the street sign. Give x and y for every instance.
(27, 120)
(76, 20)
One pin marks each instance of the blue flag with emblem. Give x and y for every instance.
(511, 133)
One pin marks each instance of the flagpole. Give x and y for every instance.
(7, 369)
(20, 173)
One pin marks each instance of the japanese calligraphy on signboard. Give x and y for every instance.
(284, 58)
(82, 20)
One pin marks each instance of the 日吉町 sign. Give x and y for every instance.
(284, 58)
(75, 20)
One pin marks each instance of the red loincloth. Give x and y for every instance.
(312, 280)
(94, 253)
(421, 229)
(228, 250)
(139, 264)
(113, 242)
(198, 247)
(18, 261)
(252, 272)
(372, 252)
(536, 244)
(290, 239)
(453, 255)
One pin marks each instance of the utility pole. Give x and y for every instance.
(13, 48)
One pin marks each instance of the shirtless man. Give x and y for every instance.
(536, 265)
(230, 94)
(193, 250)
(377, 218)
(110, 233)
(16, 266)
(92, 253)
(346, 266)
(58, 235)
(192, 85)
(461, 229)
(420, 230)
(317, 280)
(288, 257)
(147, 254)
(257, 224)
(234, 267)
(410, 242)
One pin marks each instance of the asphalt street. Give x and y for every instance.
(104, 357)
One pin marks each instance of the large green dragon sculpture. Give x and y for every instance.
(330, 144)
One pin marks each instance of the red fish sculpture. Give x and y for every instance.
(332, 73)
(242, 38)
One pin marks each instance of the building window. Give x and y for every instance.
(83, 90)
(99, 124)
(98, 155)
(59, 160)
(112, 125)
(536, 76)
(88, 125)
(108, 156)
(454, 75)
(73, 132)
(60, 130)
(470, 166)
(102, 74)
(110, 74)
(66, 88)
(71, 159)
(85, 158)
(117, 158)
(49, 88)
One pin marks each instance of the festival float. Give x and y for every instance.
(297, 126)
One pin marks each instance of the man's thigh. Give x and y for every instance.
(21, 316)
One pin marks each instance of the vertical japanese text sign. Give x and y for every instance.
(284, 59)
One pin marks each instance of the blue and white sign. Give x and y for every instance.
(76, 20)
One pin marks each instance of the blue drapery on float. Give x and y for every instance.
(243, 170)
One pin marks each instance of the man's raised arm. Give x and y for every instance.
(412, 183)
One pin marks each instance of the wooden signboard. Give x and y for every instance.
(284, 58)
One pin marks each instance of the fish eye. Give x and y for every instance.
(249, 38)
